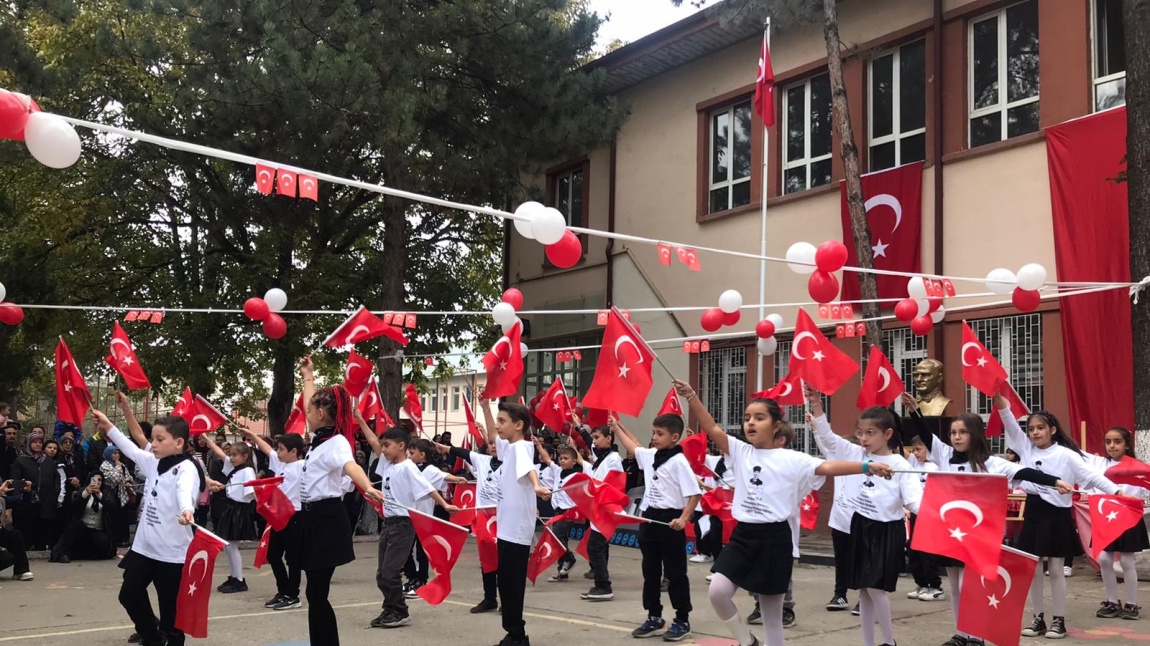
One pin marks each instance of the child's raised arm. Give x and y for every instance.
(629, 442)
(489, 420)
(217, 451)
(134, 427)
(368, 435)
(260, 443)
(715, 433)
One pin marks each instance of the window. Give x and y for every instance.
(455, 398)
(1109, 55)
(807, 124)
(434, 402)
(1016, 341)
(542, 369)
(730, 137)
(423, 402)
(1004, 74)
(567, 187)
(723, 385)
(898, 107)
(797, 415)
(905, 350)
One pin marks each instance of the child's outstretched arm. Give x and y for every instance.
(715, 433)
(262, 445)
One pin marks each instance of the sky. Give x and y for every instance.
(632, 19)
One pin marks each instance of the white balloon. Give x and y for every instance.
(276, 299)
(1001, 281)
(730, 301)
(51, 140)
(503, 314)
(548, 226)
(923, 306)
(801, 252)
(916, 288)
(1032, 276)
(938, 314)
(3, 292)
(522, 349)
(777, 319)
(528, 210)
(767, 346)
(506, 327)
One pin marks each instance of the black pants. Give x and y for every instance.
(598, 550)
(13, 541)
(664, 554)
(396, 536)
(562, 531)
(27, 522)
(513, 585)
(139, 573)
(80, 542)
(923, 565)
(415, 569)
(285, 545)
(321, 625)
(711, 543)
(491, 586)
(841, 543)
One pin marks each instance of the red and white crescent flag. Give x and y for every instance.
(554, 409)
(357, 374)
(205, 417)
(485, 529)
(309, 187)
(297, 419)
(671, 405)
(809, 511)
(196, 583)
(991, 607)
(764, 86)
(261, 558)
(979, 367)
(881, 385)
(472, 429)
(548, 551)
(360, 327)
(464, 498)
(695, 450)
(371, 404)
(123, 359)
(286, 183)
(504, 365)
(788, 392)
(962, 516)
(1018, 408)
(72, 395)
(442, 542)
(893, 202)
(265, 179)
(185, 406)
(412, 407)
(623, 374)
(816, 360)
(1130, 471)
(1110, 518)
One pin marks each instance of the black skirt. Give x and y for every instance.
(237, 521)
(1132, 541)
(324, 535)
(759, 557)
(875, 556)
(1048, 530)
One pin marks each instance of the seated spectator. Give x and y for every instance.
(89, 535)
(12, 552)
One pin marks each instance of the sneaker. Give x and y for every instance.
(838, 603)
(913, 594)
(564, 568)
(700, 558)
(652, 627)
(1130, 611)
(395, 621)
(598, 594)
(135, 638)
(562, 576)
(589, 574)
(233, 585)
(788, 617)
(226, 584)
(1067, 571)
(956, 640)
(678, 631)
(855, 610)
(756, 616)
(508, 640)
(26, 576)
(384, 616)
(287, 603)
(484, 606)
(932, 594)
(1037, 628)
(410, 592)
(1108, 610)
(1057, 628)
(271, 603)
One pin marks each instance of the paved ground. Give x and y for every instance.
(76, 604)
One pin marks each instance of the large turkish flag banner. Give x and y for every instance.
(893, 201)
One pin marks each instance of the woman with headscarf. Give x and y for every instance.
(26, 482)
(118, 480)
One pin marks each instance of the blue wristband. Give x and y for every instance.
(866, 467)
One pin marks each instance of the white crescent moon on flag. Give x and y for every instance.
(886, 199)
(787, 388)
(798, 340)
(350, 366)
(121, 342)
(1005, 576)
(446, 546)
(201, 555)
(355, 330)
(547, 549)
(307, 183)
(287, 179)
(961, 504)
(495, 348)
(207, 420)
(466, 497)
(627, 339)
(965, 346)
(1104, 499)
(884, 378)
(490, 522)
(264, 175)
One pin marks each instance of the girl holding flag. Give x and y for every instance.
(608, 467)
(1119, 445)
(237, 520)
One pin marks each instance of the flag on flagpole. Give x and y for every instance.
(764, 100)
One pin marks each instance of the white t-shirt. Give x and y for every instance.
(487, 479)
(401, 483)
(875, 498)
(845, 486)
(1057, 460)
(941, 454)
(323, 469)
(517, 510)
(237, 493)
(438, 481)
(560, 501)
(612, 462)
(671, 486)
(921, 466)
(768, 483)
(160, 535)
(293, 477)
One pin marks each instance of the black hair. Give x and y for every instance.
(423, 445)
(336, 402)
(518, 414)
(1126, 437)
(177, 427)
(773, 408)
(978, 450)
(1059, 436)
(673, 423)
(50, 440)
(570, 452)
(885, 419)
(147, 428)
(396, 434)
(291, 442)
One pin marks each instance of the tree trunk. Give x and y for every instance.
(283, 388)
(868, 289)
(394, 252)
(1136, 25)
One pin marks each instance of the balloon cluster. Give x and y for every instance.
(924, 305)
(10, 314)
(267, 309)
(50, 139)
(549, 227)
(1023, 287)
(727, 313)
(505, 316)
(765, 330)
(821, 263)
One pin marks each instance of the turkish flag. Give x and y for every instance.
(664, 254)
(357, 374)
(623, 375)
(196, 583)
(205, 417)
(764, 100)
(671, 405)
(979, 367)
(548, 551)
(309, 187)
(1110, 517)
(265, 179)
(809, 511)
(464, 498)
(72, 395)
(717, 502)
(581, 547)
(554, 408)
(442, 542)
(598, 501)
(595, 417)
(819, 362)
(881, 385)
(272, 503)
(962, 516)
(893, 201)
(1018, 408)
(261, 558)
(370, 404)
(377, 506)
(504, 365)
(788, 392)
(485, 528)
(695, 450)
(123, 359)
(991, 607)
(286, 183)
(362, 326)
(185, 406)
(297, 419)
(461, 465)
(1129, 471)
(472, 429)
(412, 407)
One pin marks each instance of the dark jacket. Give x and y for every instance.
(7, 459)
(49, 489)
(26, 469)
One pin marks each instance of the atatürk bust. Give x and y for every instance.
(928, 387)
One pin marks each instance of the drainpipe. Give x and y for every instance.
(937, 158)
(611, 228)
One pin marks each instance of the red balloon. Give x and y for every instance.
(823, 286)
(513, 297)
(712, 319)
(636, 326)
(275, 326)
(922, 325)
(566, 252)
(1026, 300)
(906, 310)
(11, 314)
(765, 329)
(731, 318)
(831, 256)
(256, 308)
(14, 111)
(934, 303)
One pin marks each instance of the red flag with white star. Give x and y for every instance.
(881, 385)
(548, 551)
(362, 326)
(443, 542)
(261, 558)
(72, 395)
(554, 409)
(123, 359)
(412, 407)
(504, 365)
(671, 405)
(979, 368)
(1130, 471)
(991, 607)
(809, 511)
(623, 375)
(788, 392)
(962, 516)
(357, 374)
(816, 360)
(185, 406)
(893, 202)
(205, 417)
(764, 100)
(1110, 517)
(196, 583)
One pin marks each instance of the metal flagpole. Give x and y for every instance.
(763, 227)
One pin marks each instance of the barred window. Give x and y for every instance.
(797, 415)
(541, 368)
(723, 384)
(1016, 341)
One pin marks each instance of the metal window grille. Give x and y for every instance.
(797, 415)
(1016, 341)
(723, 381)
(905, 350)
(542, 369)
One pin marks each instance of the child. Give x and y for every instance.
(669, 497)
(284, 461)
(560, 474)
(607, 460)
(1048, 528)
(325, 533)
(164, 533)
(420, 452)
(1120, 444)
(923, 565)
(237, 519)
(846, 488)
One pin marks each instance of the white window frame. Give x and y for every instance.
(1099, 80)
(1000, 107)
(896, 135)
(726, 406)
(455, 394)
(570, 174)
(806, 161)
(730, 182)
